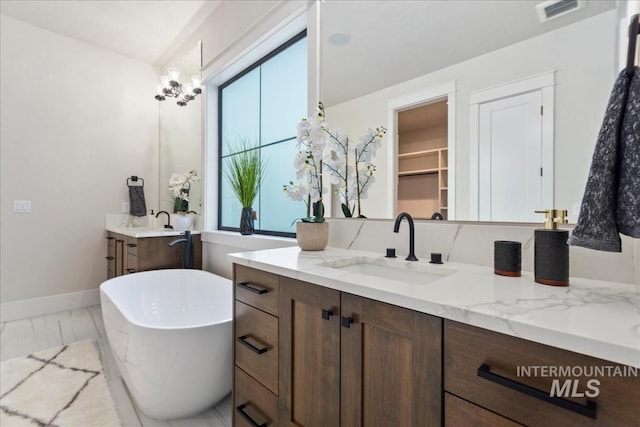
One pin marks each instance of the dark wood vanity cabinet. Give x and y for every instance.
(127, 254)
(307, 355)
(342, 360)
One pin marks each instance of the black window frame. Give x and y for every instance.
(258, 63)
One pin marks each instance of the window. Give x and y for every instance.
(261, 107)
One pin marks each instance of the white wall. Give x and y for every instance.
(583, 56)
(77, 120)
(472, 243)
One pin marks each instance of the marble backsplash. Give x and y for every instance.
(472, 243)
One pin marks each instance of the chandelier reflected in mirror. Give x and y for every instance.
(171, 87)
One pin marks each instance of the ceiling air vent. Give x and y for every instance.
(554, 8)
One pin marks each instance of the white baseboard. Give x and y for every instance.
(44, 305)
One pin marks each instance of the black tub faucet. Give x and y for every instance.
(168, 224)
(187, 249)
(412, 241)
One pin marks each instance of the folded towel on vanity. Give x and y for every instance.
(611, 201)
(137, 205)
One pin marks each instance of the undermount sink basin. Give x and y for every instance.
(406, 272)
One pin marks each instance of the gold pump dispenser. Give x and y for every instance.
(551, 252)
(553, 217)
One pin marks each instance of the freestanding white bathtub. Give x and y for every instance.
(170, 333)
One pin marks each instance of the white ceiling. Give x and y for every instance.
(149, 30)
(391, 41)
(394, 41)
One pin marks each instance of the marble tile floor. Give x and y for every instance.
(25, 336)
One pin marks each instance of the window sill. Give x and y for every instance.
(252, 242)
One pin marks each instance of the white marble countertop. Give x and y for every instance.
(593, 317)
(140, 232)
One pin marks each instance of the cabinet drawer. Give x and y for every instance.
(256, 344)
(257, 288)
(460, 413)
(490, 369)
(253, 404)
(132, 264)
(132, 246)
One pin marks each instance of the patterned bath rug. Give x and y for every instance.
(58, 387)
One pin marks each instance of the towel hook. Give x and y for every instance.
(634, 31)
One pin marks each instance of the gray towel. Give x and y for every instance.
(628, 209)
(137, 205)
(611, 201)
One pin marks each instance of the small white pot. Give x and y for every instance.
(181, 221)
(312, 236)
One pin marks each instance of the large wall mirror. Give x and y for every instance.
(180, 136)
(460, 86)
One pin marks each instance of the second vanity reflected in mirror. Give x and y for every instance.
(180, 137)
(510, 92)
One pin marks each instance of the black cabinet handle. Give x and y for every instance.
(588, 410)
(109, 238)
(326, 314)
(110, 257)
(131, 245)
(346, 321)
(243, 340)
(131, 270)
(252, 287)
(246, 416)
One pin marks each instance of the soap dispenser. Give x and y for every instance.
(551, 251)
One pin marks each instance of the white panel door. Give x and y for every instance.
(510, 158)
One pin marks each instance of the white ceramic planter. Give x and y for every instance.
(181, 221)
(312, 236)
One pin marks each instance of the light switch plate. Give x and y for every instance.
(22, 206)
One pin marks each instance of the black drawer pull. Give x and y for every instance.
(243, 340)
(346, 321)
(252, 287)
(588, 410)
(131, 245)
(246, 416)
(326, 314)
(109, 238)
(131, 270)
(110, 257)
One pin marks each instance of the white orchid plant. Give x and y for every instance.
(179, 186)
(311, 141)
(353, 175)
(349, 164)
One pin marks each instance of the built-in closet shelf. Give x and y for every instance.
(418, 172)
(421, 153)
(423, 160)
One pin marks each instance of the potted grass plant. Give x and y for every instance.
(244, 172)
